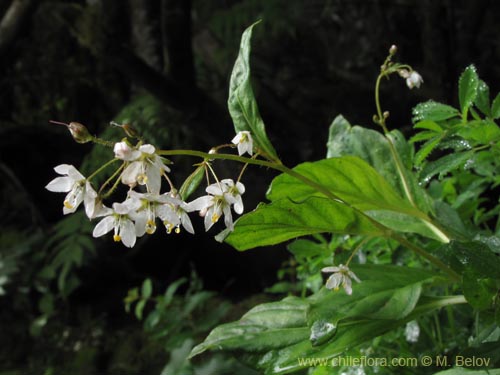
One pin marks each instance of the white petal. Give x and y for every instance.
(141, 219)
(127, 233)
(74, 174)
(334, 281)
(240, 187)
(200, 203)
(208, 219)
(154, 179)
(216, 189)
(129, 175)
(63, 169)
(60, 185)
(186, 223)
(347, 284)
(121, 208)
(237, 138)
(330, 269)
(147, 149)
(228, 218)
(238, 205)
(104, 226)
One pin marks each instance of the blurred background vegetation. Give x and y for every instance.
(163, 66)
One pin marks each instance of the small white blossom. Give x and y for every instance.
(145, 166)
(244, 141)
(78, 188)
(413, 79)
(341, 277)
(119, 219)
(221, 196)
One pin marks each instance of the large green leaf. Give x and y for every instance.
(357, 183)
(274, 337)
(349, 178)
(241, 102)
(284, 219)
(374, 148)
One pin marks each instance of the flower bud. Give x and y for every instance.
(127, 128)
(79, 132)
(393, 50)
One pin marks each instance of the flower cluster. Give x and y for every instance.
(143, 169)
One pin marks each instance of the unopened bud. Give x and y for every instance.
(127, 128)
(78, 131)
(386, 115)
(393, 50)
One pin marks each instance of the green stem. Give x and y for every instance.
(387, 232)
(101, 168)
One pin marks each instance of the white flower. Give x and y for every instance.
(170, 210)
(218, 202)
(124, 152)
(341, 277)
(145, 166)
(414, 80)
(244, 141)
(236, 191)
(119, 219)
(78, 188)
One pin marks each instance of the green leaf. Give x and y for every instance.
(241, 102)
(482, 101)
(426, 149)
(483, 131)
(284, 219)
(303, 249)
(147, 289)
(495, 107)
(274, 336)
(478, 290)
(429, 125)
(433, 111)
(349, 178)
(475, 256)
(139, 308)
(445, 164)
(468, 84)
(192, 182)
(374, 148)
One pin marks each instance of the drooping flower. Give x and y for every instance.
(244, 141)
(413, 79)
(78, 188)
(221, 196)
(145, 166)
(341, 277)
(120, 218)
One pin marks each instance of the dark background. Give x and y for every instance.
(164, 66)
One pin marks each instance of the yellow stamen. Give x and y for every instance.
(68, 205)
(177, 230)
(150, 227)
(168, 226)
(117, 238)
(142, 179)
(215, 217)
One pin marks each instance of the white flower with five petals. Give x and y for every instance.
(244, 142)
(145, 166)
(341, 277)
(218, 202)
(119, 219)
(78, 188)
